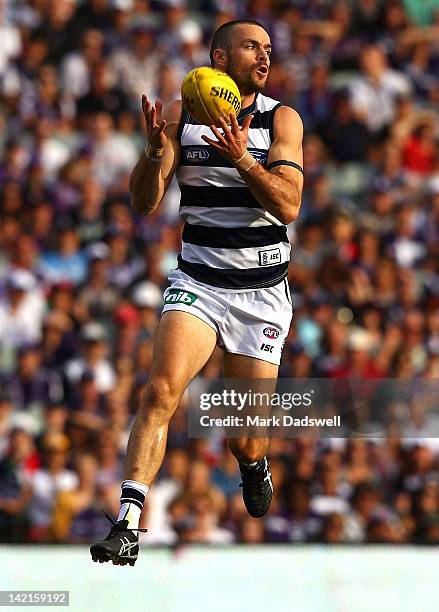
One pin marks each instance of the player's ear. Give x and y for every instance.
(220, 57)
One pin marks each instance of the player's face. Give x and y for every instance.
(249, 58)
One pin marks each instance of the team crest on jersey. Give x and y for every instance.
(196, 154)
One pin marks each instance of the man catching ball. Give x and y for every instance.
(238, 192)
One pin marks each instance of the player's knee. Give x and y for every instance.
(159, 400)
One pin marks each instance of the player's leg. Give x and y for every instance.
(249, 449)
(251, 452)
(182, 345)
(253, 333)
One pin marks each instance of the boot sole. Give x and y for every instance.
(104, 557)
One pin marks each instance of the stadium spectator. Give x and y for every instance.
(52, 477)
(82, 278)
(32, 383)
(375, 92)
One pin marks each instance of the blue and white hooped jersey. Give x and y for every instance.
(229, 240)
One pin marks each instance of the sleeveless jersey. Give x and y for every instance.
(229, 240)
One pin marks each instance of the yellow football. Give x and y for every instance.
(209, 94)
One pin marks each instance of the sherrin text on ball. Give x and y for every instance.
(209, 94)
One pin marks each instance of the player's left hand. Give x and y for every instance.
(233, 142)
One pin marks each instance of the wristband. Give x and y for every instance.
(153, 154)
(249, 167)
(236, 161)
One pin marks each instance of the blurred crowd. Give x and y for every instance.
(81, 277)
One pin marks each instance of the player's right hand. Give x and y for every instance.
(154, 122)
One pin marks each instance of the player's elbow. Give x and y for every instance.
(138, 206)
(289, 219)
(288, 215)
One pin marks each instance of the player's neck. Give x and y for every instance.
(247, 100)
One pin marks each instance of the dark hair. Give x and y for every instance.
(221, 36)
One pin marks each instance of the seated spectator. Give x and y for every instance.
(77, 516)
(49, 153)
(346, 136)
(94, 359)
(250, 531)
(199, 525)
(59, 342)
(420, 150)
(420, 469)
(21, 310)
(97, 295)
(32, 383)
(52, 477)
(364, 503)
(77, 66)
(147, 298)
(67, 263)
(108, 454)
(15, 487)
(136, 68)
(102, 95)
(113, 154)
(315, 103)
(304, 523)
(225, 475)
(328, 496)
(374, 94)
(126, 266)
(88, 214)
(358, 463)
(333, 529)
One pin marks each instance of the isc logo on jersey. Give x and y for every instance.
(196, 154)
(175, 296)
(269, 257)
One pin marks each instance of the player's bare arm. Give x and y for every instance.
(153, 172)
(278, 190)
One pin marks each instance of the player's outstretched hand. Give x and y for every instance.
(155, 124)
(233, 142)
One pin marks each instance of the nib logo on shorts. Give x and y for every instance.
(175, 296)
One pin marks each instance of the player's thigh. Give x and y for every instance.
(242, 366)
(183, 344)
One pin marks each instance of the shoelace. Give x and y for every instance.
(118, 527)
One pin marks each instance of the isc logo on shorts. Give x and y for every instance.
(269, 257)
(175, 296)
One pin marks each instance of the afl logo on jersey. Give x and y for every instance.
(271, 333)
(196, 154)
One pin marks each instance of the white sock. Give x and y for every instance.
(132, 499)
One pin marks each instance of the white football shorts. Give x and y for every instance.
(253, 323)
